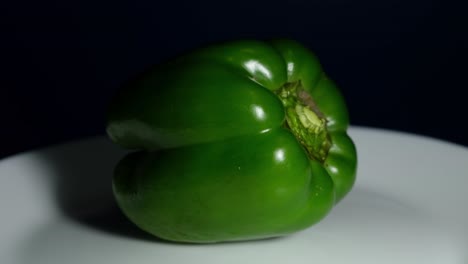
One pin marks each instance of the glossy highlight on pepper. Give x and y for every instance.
(235, 141)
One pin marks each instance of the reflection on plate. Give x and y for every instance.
(408, 206)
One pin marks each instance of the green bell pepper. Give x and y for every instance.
(235, 141)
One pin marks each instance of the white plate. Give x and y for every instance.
(408, 206)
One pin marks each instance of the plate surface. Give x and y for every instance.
(409, 205)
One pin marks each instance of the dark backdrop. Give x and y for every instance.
(401, 64)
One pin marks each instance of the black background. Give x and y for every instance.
(400, 64)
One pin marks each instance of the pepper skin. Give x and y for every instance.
(235, 141)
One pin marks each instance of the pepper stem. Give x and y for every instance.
(305, 120)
